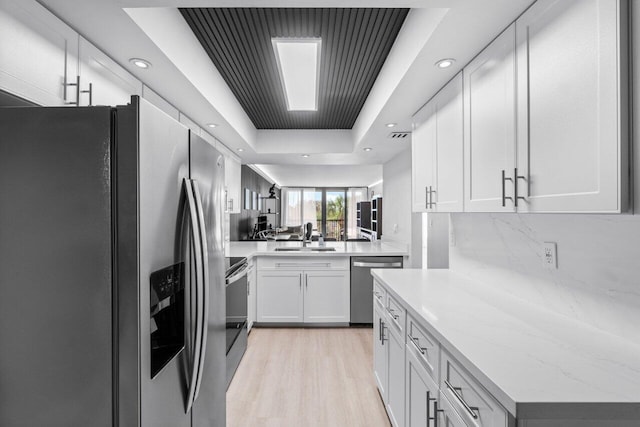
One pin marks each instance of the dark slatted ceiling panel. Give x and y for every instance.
(355, 44)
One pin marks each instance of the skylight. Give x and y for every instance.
(299, 63)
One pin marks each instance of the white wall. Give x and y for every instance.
(398, 223)
(598, 276)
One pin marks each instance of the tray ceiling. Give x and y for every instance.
(355, 44)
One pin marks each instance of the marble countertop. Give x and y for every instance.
(250, 249)
(531, 359)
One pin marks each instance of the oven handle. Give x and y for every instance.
(197, 251)
(205, 286)
(242, 271)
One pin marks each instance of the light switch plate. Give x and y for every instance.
(549, 258)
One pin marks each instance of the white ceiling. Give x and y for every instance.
(183, 74)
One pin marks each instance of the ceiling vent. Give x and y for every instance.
(399, 135)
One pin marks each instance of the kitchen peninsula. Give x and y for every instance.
(495, 359)
(293, 285)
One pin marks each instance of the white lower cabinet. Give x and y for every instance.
(297, 290)
(388, 354)
(421, 384)
(379, 349)
(395, 370)
(326, 296)
(280, 296)
(421, 393)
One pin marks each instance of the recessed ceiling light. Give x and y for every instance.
(140, 63)
(445, 63)
(299, 66)
(241, 149)
(390, 125)
(367, 148)
(212, 125)
(305, 155)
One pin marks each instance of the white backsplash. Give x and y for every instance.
(598, 276)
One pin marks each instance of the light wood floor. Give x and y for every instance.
(306, 377)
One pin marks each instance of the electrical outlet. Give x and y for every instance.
(395, 228)
(549, 258)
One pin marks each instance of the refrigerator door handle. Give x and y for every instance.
(205, 285)
(197, 250)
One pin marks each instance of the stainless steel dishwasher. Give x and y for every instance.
(362, 284)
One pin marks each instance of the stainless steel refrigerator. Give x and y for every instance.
(112, 304)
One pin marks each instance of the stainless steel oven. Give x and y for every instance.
(236, 305)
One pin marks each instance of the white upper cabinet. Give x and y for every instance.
(545, 108)
(46, 62)
(490, 126)
(423, 158)
(110, 83)
(572, 144)
(38, 54)
(437, 143)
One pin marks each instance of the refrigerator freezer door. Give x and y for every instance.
(207, 170)
(164, 157)
(55, 267)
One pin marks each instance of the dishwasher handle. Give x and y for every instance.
(377, 264)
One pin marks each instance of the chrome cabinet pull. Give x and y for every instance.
(435, 413)
(90, 92)
(77, 85)
(435, 407)
(504, 196)
(426, 197)
(392, 312)
(456, 392)
(382, 332)
(416, 344)
(300, 280)
(515, 186)
(431, 202)
(306, 281)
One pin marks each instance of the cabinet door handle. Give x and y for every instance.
(435, 413)
(77, 85)
(435, 406)
(300, 280)
(306, 281)
(90, 92)
(382, 331)
(426, 197)
(504, 196)
(456, 392)
(431, 202)
(515, 186)
(416, 344)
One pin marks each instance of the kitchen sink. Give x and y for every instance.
(305, 249)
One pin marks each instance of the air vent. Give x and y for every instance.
(399, 135)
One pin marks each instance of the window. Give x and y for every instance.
(332, 211)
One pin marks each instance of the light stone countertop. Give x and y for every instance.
(250, 249)
(534, 361)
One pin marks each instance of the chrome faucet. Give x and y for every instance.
(306, 236)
